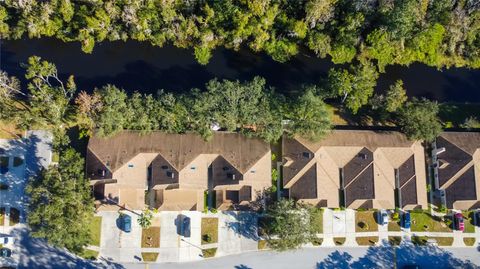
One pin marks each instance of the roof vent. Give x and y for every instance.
(101, 172)
(164, 167)
(307, 155)
(226, 168)
(362, 156)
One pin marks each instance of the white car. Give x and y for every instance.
(382, 217)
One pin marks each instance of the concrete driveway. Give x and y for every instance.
(116, 244)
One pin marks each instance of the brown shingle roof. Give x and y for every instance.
(359, 138)
(178, 149)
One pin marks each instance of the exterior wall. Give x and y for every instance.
(134, 178)
(262, 178)
(196, 178)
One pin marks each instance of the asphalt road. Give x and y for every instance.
(322, 258)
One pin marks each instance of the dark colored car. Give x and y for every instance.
(459, 222)
(477, 218)
(186, 226)
(126, 223)
(5, 252)
(406, 220)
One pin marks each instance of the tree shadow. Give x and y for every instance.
(36, 253)
(384, 256)
(245, 224)
(242, 266)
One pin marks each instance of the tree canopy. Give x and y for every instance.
(418, 119)
(60, 206)
(309, 116)
(437, 33)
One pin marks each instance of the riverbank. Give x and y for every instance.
(139, 66)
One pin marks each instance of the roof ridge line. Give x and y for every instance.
(359, 173)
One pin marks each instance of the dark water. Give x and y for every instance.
(140, 66)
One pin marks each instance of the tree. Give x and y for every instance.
(113, 114)
(418, 119)
(248, 107)
(355, 86)
(310, 116)
(396, 96)
(288, 225)
(28, 108)
(145, 219)
(60, 206)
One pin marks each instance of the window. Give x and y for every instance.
(306, 155)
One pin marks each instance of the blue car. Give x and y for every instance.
(126, 223)
(406, 220)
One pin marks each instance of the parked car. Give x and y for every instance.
(406, 220)
(5, 252)
(126, 223)
(477, 217)
(382, 217)
(186, 226)
(459, 222)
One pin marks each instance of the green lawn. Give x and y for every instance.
(394, 226)
(89, 254)
(151, 237)
(149, 256)
(469, 227)
(441, 241)
(14, 216)
(424, 222)
(316, 220)
(469, 241)
(209, 230)
(395, 240)
(317, 241)
(262, 244)
(2, 216)
(4, 161)
(208, 253)
(95, 230)
(339, 240)
(455, 114)
(367, 240)
(365, 221)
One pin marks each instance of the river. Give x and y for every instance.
(139, 66)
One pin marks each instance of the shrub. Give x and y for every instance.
(395, 216)
(207, 238)
(363, 225)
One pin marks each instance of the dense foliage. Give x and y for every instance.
(290, 225)
(418, 119)
(249, 107)
(60, 206)
(435, 32)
